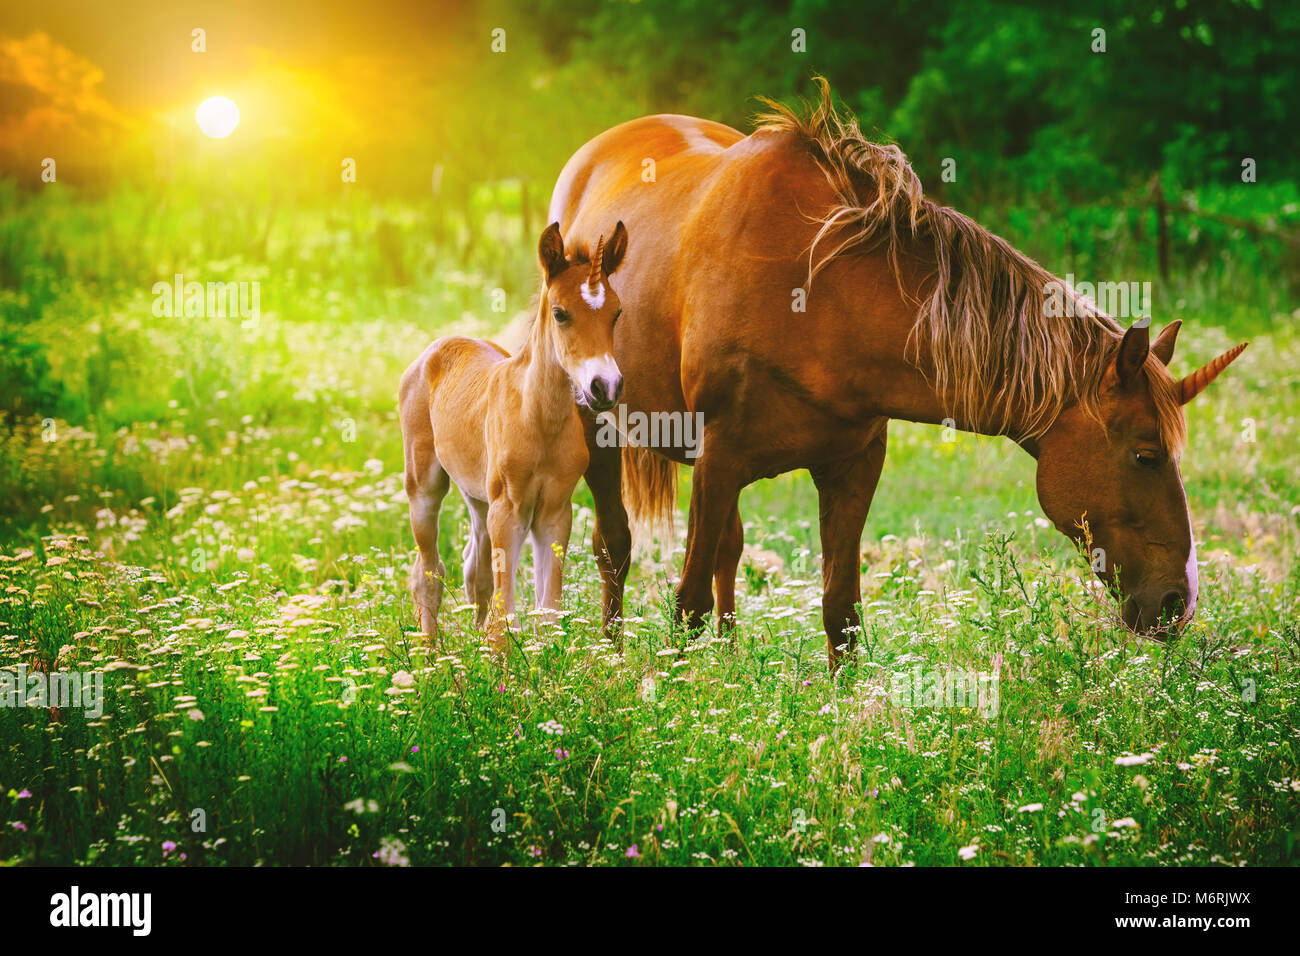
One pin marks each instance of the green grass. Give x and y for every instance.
(214, 518)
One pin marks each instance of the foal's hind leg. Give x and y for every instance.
(478, 560)
(425, 493)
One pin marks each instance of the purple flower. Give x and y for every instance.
(24, 794)
(633, 853)
(20, 826)
(168, 847)
(415, 748)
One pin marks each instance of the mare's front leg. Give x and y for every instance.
(845, 489)
(611, 534)
(730, 547)
(716, 482)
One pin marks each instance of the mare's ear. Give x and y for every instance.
(615, 249)
(1132, 354)
(550, 252)
(1163, 347)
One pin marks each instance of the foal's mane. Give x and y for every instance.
(993, 345)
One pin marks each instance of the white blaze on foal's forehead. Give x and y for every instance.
(593, 295)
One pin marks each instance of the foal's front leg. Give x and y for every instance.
(550, 536)
(506, 531)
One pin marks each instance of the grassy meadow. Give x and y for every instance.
(212, 516)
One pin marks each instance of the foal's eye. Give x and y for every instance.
(560, 315)
(1146, 459)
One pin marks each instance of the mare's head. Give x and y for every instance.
(582, 307)
(1115, 467)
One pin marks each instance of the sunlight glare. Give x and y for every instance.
(217, 117)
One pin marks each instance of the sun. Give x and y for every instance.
(217, 117)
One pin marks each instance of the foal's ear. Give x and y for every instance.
(1163, 347)
(550, 252)
(1132, 354)
(615, 249)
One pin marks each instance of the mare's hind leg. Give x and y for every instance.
(478, 560)
(425, 492)
(730, 546)
(845, 489)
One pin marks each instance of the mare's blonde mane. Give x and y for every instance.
(996, 347)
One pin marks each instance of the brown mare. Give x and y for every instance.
(913, 311)
(506, 432)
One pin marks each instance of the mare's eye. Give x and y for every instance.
(1147, 459)
(560, 315)
(616, 315)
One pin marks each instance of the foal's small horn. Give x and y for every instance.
(594, 277)
(1192, 385)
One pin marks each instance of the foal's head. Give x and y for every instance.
(1117, 469)
(581, 308)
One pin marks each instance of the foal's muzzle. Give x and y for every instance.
(605, 391)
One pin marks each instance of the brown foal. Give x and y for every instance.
(507, 432)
